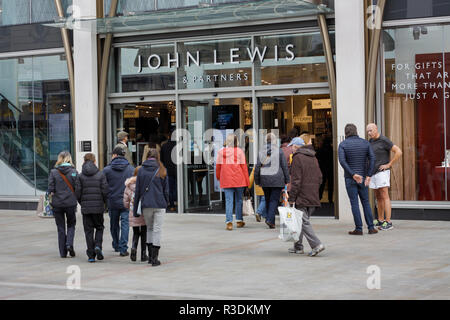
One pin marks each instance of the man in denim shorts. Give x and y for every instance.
(380, 181)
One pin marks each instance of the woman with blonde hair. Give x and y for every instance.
(61, 185)
(152, 191)
(232, 173)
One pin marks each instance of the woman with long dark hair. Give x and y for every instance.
(152, 192)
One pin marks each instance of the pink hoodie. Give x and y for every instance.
(128, 202)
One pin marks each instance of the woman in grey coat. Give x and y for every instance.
(272, 174)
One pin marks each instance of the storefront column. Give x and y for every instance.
(86, 81)
(350, 81)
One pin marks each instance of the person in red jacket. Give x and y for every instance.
(232, 173)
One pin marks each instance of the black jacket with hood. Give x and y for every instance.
(92, 189)
(116, 173)
(63, 197)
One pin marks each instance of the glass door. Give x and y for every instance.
(206, 125)
(144, 122)
(308, 117)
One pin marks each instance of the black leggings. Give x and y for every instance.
(139, 232)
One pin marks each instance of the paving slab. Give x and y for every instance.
(201, 260)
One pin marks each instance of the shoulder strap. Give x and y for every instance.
(154, 175)
(66, 181)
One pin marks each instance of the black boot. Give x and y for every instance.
(150, 252)
(134, 244)
(154, 258)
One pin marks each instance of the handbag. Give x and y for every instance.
(247, 207)
(44, 209)
(139, 208)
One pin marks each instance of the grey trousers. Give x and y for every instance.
(307, 230)
(154, 219)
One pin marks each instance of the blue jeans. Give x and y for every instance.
(262, 210)
(230, 195)
(119, 216)
(353, 190)
(172, 190)
(272, 195)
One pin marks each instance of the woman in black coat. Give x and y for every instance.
(92, 194)
(61, 184)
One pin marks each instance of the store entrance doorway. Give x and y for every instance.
(309, 116)
(144, 122)
(225, 115)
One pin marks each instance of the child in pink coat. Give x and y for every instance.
(138, 224)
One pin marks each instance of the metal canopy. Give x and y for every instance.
(210, 16)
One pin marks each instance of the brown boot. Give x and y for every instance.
(240, 224)
(373, 231)
(356, 233)
(229, 226)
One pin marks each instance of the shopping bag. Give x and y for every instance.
(45, 209)
(290, 223)
(247, 207)
(139, 208)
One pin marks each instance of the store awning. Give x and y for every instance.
(254, 12)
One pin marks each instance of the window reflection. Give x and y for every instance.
(146, 68)
(291, 59)
(36, 119)
(416, 110)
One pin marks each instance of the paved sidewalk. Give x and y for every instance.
(201, 260)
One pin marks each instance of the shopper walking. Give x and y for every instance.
(305, 181)
(272, 174)
(152, 190)
(232, 173)
(166, 159)
(357, 159)
(61, 186)
(122, 138)
(380, 181)
(137, 223)
(92, 194)
(117, 172)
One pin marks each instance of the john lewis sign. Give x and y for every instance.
(235, 56)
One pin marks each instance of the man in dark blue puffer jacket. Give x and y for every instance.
(357, 158)
(116, 173)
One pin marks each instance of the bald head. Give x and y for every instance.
(372, 131)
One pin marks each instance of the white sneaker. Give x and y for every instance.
(317, 250)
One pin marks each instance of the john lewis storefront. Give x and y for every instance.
(271, 80)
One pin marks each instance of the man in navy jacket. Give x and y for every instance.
(116, 173)
(357, 158)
